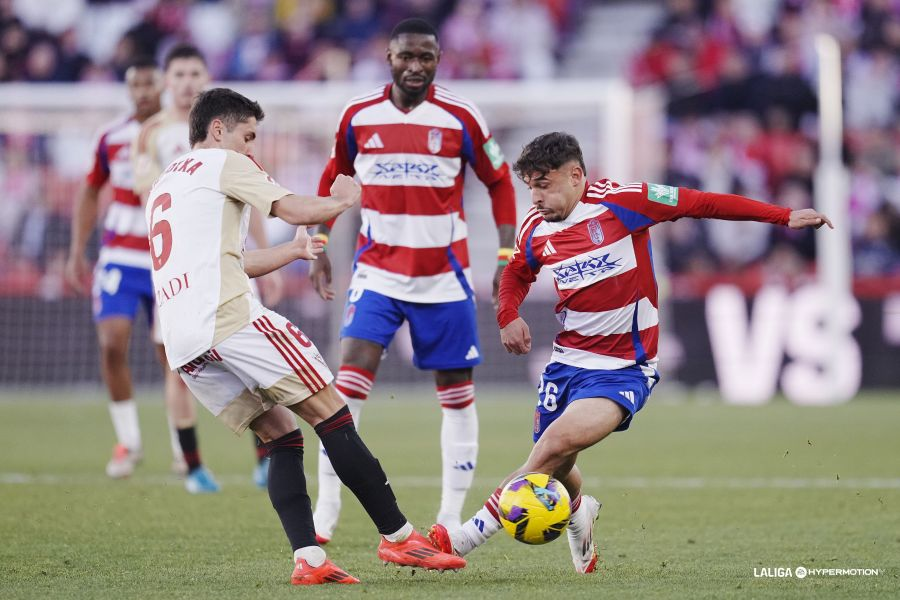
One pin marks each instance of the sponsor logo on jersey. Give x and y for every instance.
(472, 354)
(664, 194)
(548, 249)
(413, 169)
(628, 395)
(374, 142)
(494, 153)
(580, 270)
(595, 231)
(434, 140)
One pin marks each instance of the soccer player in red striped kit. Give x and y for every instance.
(409, 142)
(595, 240)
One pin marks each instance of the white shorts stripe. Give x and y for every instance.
(318, 382)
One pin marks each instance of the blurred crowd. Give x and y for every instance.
(740, 77)
(276, 40)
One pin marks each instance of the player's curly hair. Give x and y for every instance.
(547, 152)
(221, 103)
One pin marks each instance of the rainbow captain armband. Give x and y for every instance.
(504, 255)
(323, 237)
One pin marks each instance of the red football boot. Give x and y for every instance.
(327, 572)
(417, 551)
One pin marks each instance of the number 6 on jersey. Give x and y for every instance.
(161, 229)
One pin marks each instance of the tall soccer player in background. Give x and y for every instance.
(409, 142)
(122, 276)
(163, 138)
(595, 240)
(248, 365)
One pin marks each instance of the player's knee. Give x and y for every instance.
(112, 353)
(550, 455)
(361, 354)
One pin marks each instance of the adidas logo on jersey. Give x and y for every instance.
(548, 249)
(629, 395)
(472, 354)
(374, 142)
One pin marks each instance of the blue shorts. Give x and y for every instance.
(563, 384)
(444, 335)
(119, 290)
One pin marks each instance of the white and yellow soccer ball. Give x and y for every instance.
(534, 508)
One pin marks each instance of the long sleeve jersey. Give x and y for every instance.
(602, 264)
(412, 244)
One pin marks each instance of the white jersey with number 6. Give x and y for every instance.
(198, 213)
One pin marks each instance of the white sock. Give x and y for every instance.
(401, 534)
(479, 528)
(459, 450)
(125, 423)
(174, 442)
(313, 555)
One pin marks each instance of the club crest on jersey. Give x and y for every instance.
(435, 138)
(595, 231)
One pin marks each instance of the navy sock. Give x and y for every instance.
(287, 489)
(360, 471)
(187, 439)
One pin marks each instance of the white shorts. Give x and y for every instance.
(268, 362)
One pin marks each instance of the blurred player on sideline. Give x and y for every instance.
(409, 143)
(122, 277)
(163, 138)
(595, 240)
(248, 365)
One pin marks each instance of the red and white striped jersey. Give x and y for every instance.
(124, 239)
(602, 263)
(412, 243)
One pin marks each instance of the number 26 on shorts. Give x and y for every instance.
(547, 395)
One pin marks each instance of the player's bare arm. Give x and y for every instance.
(84, 219)
(265, 261)
(320, 271)
(311, 210)
(516, 337)
(507, 235)
(808, 217)
(272, 283)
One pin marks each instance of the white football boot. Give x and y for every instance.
(581, 535)
(123, 462)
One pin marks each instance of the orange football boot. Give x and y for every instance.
(327, 572)
(440, 538)
(417, 551)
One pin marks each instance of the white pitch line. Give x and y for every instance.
(683, 483)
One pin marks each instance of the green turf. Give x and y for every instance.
(695, 497)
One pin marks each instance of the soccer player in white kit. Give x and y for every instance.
(249, 366)
(162, 139)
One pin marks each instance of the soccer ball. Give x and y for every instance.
(534, 508)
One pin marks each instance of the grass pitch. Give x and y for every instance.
(697, 497)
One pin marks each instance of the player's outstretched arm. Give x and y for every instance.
(267, 260)
(311, 210)
(808, 217)
(84, 219)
